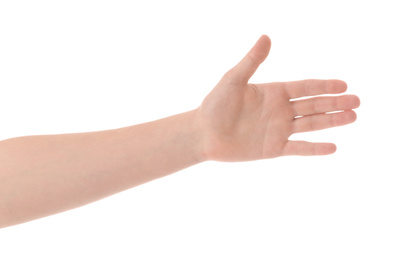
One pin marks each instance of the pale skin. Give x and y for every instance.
(237, 121)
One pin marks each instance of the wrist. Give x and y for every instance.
(196, 140)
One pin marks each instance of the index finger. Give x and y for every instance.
(312, 87)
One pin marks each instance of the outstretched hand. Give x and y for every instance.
(240, 121)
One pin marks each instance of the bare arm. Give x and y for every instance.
(44, 175)
(237, 121)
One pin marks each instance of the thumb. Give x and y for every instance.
(250, 63)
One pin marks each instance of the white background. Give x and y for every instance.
(77, 66)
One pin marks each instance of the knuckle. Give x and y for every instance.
(316, 105)
(333, 120)
(312, 123)
(231, 77)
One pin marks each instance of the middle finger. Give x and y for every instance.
(319, 105)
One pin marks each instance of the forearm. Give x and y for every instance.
(44, 175)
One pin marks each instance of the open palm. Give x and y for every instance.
(242, 121)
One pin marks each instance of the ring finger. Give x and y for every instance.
(322, 121)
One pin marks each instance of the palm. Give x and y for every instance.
(251, 124)
(274, 118)
(243, 121)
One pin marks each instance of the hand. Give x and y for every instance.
(240, 121)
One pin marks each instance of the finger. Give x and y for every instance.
(323, 121)
(312, 87)
(250, 63)
(308, 149)
(320, 105)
